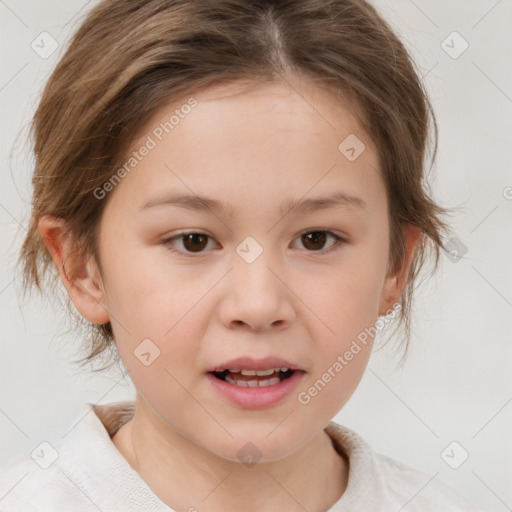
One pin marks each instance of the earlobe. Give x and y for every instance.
(80, 277)
(396, 283)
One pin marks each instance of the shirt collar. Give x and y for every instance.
(90, 459)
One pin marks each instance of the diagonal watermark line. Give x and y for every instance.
(309, 103)
(280, 423)
(10, 282)
(491, 490)
(14, 76)
(12, 488)
(98, 401)
(485, 15)
(114, 385)
(418, 492)
(3, 3)
(14, 423)
(492, 81)
(77, 423)
(80, 489)
(76, 14)
(301, 300)
(12, 216)
(429, 71)
(493, 287)
(194, 305)
(216, 487)
(485, 425)
(492, 211)
(286, 491)
(211, 211)
(200, 404)
(410, 409)
(312, 187)
(424, 14)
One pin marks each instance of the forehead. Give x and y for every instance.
(241, 104)
(246, 139)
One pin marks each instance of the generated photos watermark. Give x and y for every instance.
(151, 142)
(362, 339)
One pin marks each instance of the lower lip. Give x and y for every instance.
(256, 398)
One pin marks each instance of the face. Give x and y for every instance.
(284, 256)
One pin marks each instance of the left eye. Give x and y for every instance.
(196, 242)
(316, 240)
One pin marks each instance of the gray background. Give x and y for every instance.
(455, 385)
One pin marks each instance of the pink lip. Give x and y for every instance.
(248, 363)
(260, 397)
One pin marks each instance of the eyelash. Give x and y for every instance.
(338, 240)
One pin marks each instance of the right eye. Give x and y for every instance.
(191, 243)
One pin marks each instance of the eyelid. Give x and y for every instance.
(167, 242)
(339, 239)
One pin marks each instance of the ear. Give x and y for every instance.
(395, 283)
(81, 278)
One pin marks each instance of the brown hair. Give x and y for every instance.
(131, 57)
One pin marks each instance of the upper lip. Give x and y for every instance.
(249, 363)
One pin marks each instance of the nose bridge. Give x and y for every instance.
(256, 296)
(251, 269)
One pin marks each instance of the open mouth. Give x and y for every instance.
(253, 378)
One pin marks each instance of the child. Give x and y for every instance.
(287, 140)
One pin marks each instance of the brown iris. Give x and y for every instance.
(314, 240)
(195, 242)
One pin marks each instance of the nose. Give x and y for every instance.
(257, 297)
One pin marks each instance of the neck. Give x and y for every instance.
(186, 476)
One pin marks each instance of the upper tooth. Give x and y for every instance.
(261, 373)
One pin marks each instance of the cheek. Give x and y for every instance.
(345, 299)
(342, 340)
(148, 294)
(346, 305)
(169, 326)
(163, 365)
(332, 386)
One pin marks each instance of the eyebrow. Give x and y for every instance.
(201, 203)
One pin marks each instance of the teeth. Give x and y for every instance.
(254, 383)
(260, 373)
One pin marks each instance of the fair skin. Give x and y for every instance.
(252, 149)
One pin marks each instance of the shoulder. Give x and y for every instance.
(27, 487)
(82, 471)
(12, 476)
(35, 483)
(381, 483)
(54, 475)
(421, 491)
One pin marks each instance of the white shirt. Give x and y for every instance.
(86, 472)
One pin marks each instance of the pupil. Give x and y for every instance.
(314, 237)
(194, 238)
